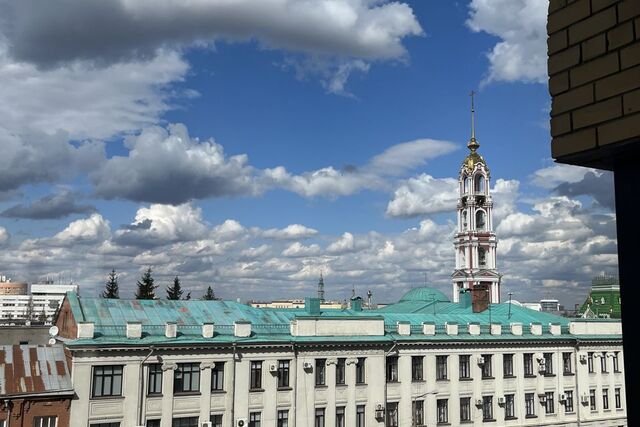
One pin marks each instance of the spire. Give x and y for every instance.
(473, 144)
(321, 288)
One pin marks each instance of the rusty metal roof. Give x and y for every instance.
(33, 369)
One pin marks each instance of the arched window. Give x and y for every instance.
(465, 223)
(467, 184)
(479, 183)
(480, 220)
(482, 257)
(463, 259)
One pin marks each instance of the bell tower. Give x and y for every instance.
(475, 241)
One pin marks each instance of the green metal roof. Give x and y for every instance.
(424, 294)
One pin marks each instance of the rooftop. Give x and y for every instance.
(31, 369)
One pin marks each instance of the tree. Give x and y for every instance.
(146, 288)
(174, 291)
(210, 295)
(111, 288)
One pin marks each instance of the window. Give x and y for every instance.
(566, 364)
(482, 257)
(187, 378)
(529, 405)
(592, 400)
(185, 422)
(549, 403)
(616, 361)
(392, 414)
(618, 398)
(217, 377)
(417, 366)
(154, 385)
(509, 407)
(603, 362)
(116, 424)
(392, 369)
(548, 363)
(528, 364)
(486, 366)
(590, 362)
(507, 365)
(441, 367)
(480, 220)
(443, 411)
(568, 401)
(283, 373)
(255, 417)
(465, 366)
(360, 416)
(417, 409)
(255, 379)
(283, 418)
(465, 409)
(319, 417)
(216, 420)
(153, 423)
(320, 371)
(360, 371)
(605, 398)
(487, 408)
(107, 381)
(45, 421)
(340, 416)
(340, 371)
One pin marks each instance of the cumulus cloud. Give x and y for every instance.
(88, 230)
(521, 53)
(346, 243)
(4, 236)
(297, 249)
(423, 195)
(596, 184)
(292, 231)
(52, 206)
(552, 176)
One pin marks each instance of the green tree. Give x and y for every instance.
(146, 288)
(210, 295)
(111, 288)
(174, 291)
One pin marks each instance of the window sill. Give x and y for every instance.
(529, 376)
(530, 416)
(549, 375)
(186, 393)
(510, 418)
(321, 386)
(256, 390)
(418, 381)
(488, 420)
(488, 378)
(218, 392)
(393, 382)
(341, 385)
(361, 384)
(465, 379)
(287, 388)
(152, 395)
(442, 380)
(569, 374)
(443, 424)
(507, 377)
(120, 397)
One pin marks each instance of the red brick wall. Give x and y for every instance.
(24, 411)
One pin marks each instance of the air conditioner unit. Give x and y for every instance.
(583, 358)
(207, 424)
(480, 360)
(242, 422)
(501, 401)
(379, 407)
(479, 402)
(273, 367)
(584, 399)
(562, 397)
(307, 365)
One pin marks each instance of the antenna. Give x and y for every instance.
(473, 110)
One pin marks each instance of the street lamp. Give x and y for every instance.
(413, 407)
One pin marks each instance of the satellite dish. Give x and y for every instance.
(53, 331)
(52, 341)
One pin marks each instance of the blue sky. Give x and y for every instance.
(251, 152)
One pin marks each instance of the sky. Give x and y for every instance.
(251, 145)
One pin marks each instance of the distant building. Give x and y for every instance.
(7, 287)
(603, 300)
(17, 306)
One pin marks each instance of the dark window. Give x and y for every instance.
(568, 401)
(283, 418)
(465, 409)
(340, 416)
(107, 381)
(255, 417)
(509, 406)
(392, 369)
(255, 380)
(590, 362)
(340, 371)
(443, 411)
(360, 420)
(618, 398)
(417, 368)
(566, 363)
(465, 366)
(603, 362)
(392, 414)
(487, 408)
(117, 424)
(360, 371)
(216, 420)
(154, 385)
(528, 364)
(616, 362)
(487, 372)
(186, 378)
(548, 363)
(549, 403)
(441, 367)
(320, 371)
(153, 423)
(217, 377)
(507, 365)
(529, 405)
(605, 398)
(283, 373)
(319, 422)
(185, 422)
(44, 421)
(418, 412)
(592, 400)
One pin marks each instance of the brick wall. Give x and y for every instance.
(24, 411)
(594, 74)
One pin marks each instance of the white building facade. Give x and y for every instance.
(40, 305)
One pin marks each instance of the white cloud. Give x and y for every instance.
(423, 195)
(292, 231)
(296, 249)
(346, 243)
(88, 230)
(521, 53)
(4, 236)
(552, 176)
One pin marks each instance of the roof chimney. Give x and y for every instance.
(480, 297)
(356, 304)
(465, 298)
(312, 306)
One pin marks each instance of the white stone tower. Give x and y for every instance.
(475, 241)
